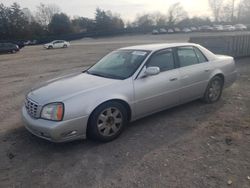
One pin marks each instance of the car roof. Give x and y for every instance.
(155, 47)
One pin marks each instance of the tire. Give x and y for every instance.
(50, 47)
(13, 51)
(214, 90)
(65, 46)
(107, 122)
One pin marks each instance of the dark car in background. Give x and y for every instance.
(8, 48)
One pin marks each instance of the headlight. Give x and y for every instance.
(53, 111)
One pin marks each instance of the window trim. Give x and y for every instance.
(152, 54)
(177, 56)
(201, 53)
(162, 51)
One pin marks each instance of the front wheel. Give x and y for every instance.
(214, 90)
(107, 122)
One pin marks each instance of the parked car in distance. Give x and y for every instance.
(8, 48)
(162, 31)
(177, 30)
(125, 85)
(170, 31)
(194, 29)
(218, 28)
(57, 44)
(30, 42)
(240, 27)
(186, 30)
(155, 32)
(206, 28)
(228, 28)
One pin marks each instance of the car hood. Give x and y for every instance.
(63, 88)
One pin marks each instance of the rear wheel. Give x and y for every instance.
(107, 122)
(214, 90)
(65, 46)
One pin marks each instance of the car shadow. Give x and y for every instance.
(140, 138)
(167, 119)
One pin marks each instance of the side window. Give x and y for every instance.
(164, 60)
(187, 56)
(200, 55)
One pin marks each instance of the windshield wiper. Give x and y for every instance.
(96, 74)
(104, 75)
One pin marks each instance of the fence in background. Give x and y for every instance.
(233, 45)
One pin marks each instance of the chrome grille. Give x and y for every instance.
(32, 108)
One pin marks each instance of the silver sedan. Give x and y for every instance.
(125, 85)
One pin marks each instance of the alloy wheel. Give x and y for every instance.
(109, 121)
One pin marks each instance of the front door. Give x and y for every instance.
(154, 93)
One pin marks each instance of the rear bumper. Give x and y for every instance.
(63, 131)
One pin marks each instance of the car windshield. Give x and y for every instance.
(119, 64)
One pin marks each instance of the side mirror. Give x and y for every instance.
(151, 71)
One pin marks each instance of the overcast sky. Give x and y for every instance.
(128, 9)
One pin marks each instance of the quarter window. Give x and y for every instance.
(187, 56)
(200, 55)
(164, 60)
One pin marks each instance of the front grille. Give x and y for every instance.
(32, 108)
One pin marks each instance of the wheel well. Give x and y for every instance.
(221, 76)
(124, 103)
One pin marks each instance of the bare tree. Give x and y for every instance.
(176, 13)
(45, 13)
(216, 6)
(244, 11)
(226, 13)
(159, 19)
(27, 13)
(144, 21)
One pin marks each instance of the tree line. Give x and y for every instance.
(49, 20)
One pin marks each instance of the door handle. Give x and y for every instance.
(172, 79)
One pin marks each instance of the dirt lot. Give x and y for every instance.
(193, 145)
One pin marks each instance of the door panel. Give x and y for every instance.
(157, 92)
(194, 73)
(194, 80)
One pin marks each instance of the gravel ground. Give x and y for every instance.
(193, 145)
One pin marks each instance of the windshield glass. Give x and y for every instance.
(119, 64)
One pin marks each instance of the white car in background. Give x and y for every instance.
(228, 28)
(155, 32)
(57, 44)
(170, 31)
(194, 29)
(218, 28)
(186, 30)
(240, 27)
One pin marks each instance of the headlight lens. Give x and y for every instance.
(53, 111)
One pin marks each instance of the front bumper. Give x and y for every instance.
(62, 131)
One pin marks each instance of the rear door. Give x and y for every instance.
(194, 72)
(56, 44)
(153, 93)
